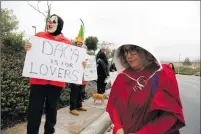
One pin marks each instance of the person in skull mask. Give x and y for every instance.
(45, 90)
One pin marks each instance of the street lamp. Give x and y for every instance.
(34, 28)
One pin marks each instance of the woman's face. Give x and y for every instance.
(135, 56)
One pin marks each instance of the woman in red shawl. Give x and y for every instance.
(144, 98)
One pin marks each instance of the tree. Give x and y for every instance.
(187, 62)
(108, 47)
(47, 15)
(91, 43)
(9, 22)
(12, 40)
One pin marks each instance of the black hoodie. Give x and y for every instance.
(59, 26)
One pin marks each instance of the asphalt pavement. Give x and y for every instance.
(189, 87)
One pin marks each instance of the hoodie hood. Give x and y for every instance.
(140, 42)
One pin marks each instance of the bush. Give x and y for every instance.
(14, 87)
(15, 91)
(64, 98)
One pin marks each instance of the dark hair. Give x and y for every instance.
(172, 66)
(102, 56)
(150, 58)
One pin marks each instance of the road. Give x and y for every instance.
(189, 87)
(190, 95)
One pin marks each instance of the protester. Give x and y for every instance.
(102, 71)
(77, 90)
(144, 98)
(102, 49)
(172, 66)
(113, 68)
(45, 90)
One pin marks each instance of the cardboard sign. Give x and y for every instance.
(90, 72)
(52, 60)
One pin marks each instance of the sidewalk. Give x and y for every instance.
(93, 121)
(109, 130)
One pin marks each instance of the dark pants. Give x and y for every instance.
(101, 84)
(38, 95)
(75, 96)
(83, 92)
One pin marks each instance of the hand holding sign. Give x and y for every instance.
(27, 46)
(84, 63)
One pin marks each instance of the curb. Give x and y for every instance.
(98, 126)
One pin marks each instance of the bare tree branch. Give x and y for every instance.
(38, 5)
(48, 13)
(36, 8)
(39, 9)
(49, 5)
(44, 14)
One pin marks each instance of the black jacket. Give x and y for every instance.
(102, 68)
(113, 68)
(102, 64)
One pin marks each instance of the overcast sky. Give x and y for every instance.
(174, 27)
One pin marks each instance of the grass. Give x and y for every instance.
(188, 71)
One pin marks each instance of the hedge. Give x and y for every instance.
(15, 91)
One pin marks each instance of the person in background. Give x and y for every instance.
(172, 66)
(84, 94)
(113, 68)
(102, 49)
(102, 71)
(144, 98)
(77, 90)
(45, 91)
